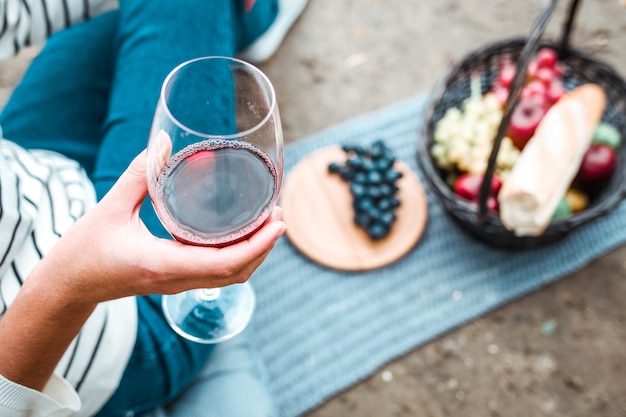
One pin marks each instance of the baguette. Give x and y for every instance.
(550, 160)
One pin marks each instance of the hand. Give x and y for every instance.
(109, 253)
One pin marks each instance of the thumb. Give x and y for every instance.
(132, 185)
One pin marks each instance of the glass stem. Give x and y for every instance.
(208, 294)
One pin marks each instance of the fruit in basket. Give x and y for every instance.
(576, 200)
(467, 186)
(550, 161)
(464, 137)
(535, 89)
(607, 134)
(546, 58)
(460, 150)
(556, 90)
(597, 166)
(543, 87)
(562, 210)
(507, 72)
(525, 119)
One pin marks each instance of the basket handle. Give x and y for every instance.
(567, 27)
(529, 50)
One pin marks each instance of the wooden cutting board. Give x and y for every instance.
(317, 207)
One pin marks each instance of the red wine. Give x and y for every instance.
(216, 192)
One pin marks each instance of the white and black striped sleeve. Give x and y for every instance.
(30, 22)
(42, 194)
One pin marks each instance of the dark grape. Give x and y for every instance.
(387, 217)
(392, 175)
(374, 191)
(384, 164)
(360, 177)
(378, 231)
(334, 167)
(357, 189)
(362, 219)
(385, 204)
(345, 173)
(372, 178)
(363, 204)
(387, 190)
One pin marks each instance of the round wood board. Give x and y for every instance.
(317, 208)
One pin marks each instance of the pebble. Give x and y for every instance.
(549, 326)
(575, 382)
(568, 296)
(544, 365)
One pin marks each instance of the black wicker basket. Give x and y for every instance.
(455, 87)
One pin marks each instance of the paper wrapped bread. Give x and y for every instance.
(550, 160)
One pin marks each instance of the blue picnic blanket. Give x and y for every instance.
(321, 331)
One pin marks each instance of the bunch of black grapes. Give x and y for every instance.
(372, 178)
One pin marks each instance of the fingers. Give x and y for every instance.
(251, 248)
(206, 266)
(261, 240)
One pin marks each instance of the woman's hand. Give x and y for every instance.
(109, 253)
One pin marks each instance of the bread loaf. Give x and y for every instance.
(550, 161)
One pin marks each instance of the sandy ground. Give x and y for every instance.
(557, 352)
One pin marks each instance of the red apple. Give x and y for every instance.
(467, 186)
(559, 69)
(531, 72)
(501, 92)
(545, 75)
(492, 203)
(556, 90)
(597, 166)
(525, 119)
(534, 88)
(507, 73)
(546, 58)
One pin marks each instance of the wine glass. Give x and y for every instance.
(215, 169)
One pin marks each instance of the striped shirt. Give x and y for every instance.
(41, 195)
(30, 22)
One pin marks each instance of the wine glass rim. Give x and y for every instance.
(248, 65)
